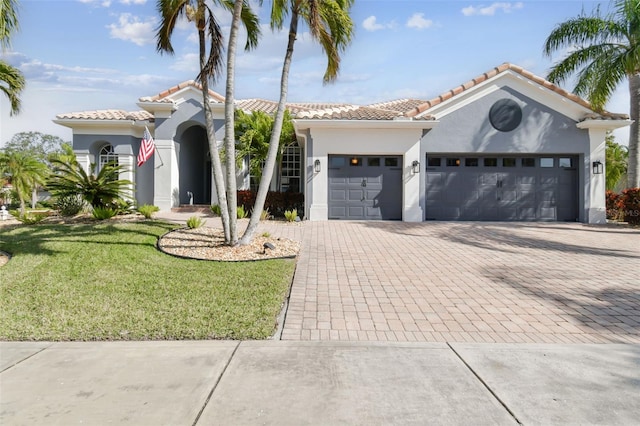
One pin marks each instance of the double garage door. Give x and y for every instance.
(365, 187)
(501, 188)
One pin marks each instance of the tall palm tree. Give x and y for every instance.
(11, 80)
(24, 172)
(603, 51)
(200, 13)
(331, 25)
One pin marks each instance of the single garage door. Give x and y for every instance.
(502, 188)
(365, 187)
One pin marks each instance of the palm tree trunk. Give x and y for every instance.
(274, 142)
(216, 164)
(633, 173)
(229, 123)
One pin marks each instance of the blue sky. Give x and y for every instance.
(100, 54)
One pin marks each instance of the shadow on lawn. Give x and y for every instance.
(40, 239)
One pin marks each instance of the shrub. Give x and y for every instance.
(242, 213)
(195, 222)
(32, 218)
(148, 210)
(215, 209)
(276, 202)
(291, 215)
(103, 213)
(69, 205)
(613, 209)
(629, 203)
(265, 215)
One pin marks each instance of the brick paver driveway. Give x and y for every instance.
(466, 282)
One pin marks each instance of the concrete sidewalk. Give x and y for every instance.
(317, 383)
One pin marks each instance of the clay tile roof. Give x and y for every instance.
(498, 70)
(161, 97)
(350, 112)
(107, 114)
(270, 107)
(400, 105)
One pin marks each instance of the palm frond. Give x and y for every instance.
(12, 83)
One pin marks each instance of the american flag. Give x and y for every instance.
(147, 147)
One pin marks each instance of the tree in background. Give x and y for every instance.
(209, 34)
(24, 172)
(603, 51)
(12, 81)
(331, 25)
(35, 144)
(253, 132)
(617, 157)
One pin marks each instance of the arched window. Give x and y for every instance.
(107, 155)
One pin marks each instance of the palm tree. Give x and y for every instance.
(101, 190)
(330, 24)
(24, 172)
(11, 80)
(604, 50)
(616, 162)
(199, 12)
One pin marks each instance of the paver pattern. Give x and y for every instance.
(466, 282)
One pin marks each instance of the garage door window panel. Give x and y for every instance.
(546, 163)
(453, 162)
(434, 161)
(490, 162)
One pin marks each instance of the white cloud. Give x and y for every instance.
(130, 28)
(129, 2)
(418, 21)
(103, 3)
(188, 62)
(492, 9)
(370, 24)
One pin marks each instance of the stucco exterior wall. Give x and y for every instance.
(322, 142)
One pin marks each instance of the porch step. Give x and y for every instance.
(195, 208)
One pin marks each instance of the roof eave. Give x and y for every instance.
(603, 124)
(300, 123)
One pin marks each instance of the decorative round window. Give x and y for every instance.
(505, 115)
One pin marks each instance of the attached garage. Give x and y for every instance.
(365, 187)
(501, 188)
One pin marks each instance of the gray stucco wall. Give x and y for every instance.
(542, 130)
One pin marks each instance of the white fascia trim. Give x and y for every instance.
(104, 127)
(158, 109)
(363, 124)
(527, 87)
(603, 124)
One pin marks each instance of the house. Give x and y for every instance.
(505, 146)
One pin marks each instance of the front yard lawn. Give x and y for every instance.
(107, 281)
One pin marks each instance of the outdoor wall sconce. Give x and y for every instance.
(415, 167)
(316, 166)
(598, 168)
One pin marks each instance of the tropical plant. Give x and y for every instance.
(291, 215)
(616, 162)
(12, 82)
(603, 51)
(30, 218)
(215, 209)
(24, 172)
(240, 212)
(200, 13)
(148, 210)
(253, 132)
(265, 215)
(331, 25)
(195, 222)
(629, 204)
(103, 189)
(69, 205)
(103, 213)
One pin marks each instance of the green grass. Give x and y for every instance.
(109, 282)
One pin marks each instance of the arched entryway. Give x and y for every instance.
(194, 164)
